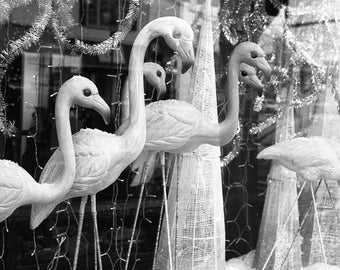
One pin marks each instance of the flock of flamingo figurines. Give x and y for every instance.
(91, 160)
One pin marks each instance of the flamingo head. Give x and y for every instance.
(179, 37)
(247, 74)
(253, 55)
(83, 92)
(155, 75)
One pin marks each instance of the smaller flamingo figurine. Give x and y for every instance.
(17, 186)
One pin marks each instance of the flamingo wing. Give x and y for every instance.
(170, 124)
(91, 152)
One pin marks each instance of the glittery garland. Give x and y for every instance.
(336, 97)
(240, 23)
(63, 12)
(258, 103)
(15, 48)
(6, 128)
(267, 123)
(6, 7)
(225, 161)
(113, 42)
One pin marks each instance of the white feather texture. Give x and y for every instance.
(312, 158)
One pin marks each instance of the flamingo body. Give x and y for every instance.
(312, 158)
(98, 155)
(17, 186)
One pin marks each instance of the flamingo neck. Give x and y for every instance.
(136, 130)
(228, 128)
(62, 115)
(125, 101)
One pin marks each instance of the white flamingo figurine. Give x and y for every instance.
(312, 158)
(155, 75)
(177, 127)
(17, 187)
(247, 75)
(100, 156)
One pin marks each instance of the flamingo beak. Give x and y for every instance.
(256, 83)
(161, 89)
(186, 52)
(102, 108)
(264, 66)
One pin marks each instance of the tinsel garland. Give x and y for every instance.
(235, 150)
(63, 11)
(336, 97)
(243, 20)
(267, 123)
(15, 48)
(113, 42)
(258, 103)
(6, 128)
(6, 7)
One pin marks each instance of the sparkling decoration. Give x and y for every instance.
(265, 124)
(16, 47)
(225, 161)
(243, 20)
(258, 103)
(6, 7)
(336, 97)
(6, 128)
(112, 43)
(63, 12)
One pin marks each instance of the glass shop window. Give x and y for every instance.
(216, 207)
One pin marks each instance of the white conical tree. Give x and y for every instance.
(195, 199)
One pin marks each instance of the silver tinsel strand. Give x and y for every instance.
(112, 43)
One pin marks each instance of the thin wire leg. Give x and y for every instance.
(319, 230)
(166, 208)
(96, 234)
(144, 176)
(80, 228)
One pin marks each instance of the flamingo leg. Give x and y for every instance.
(143, 177)
(165, 199)
(80, 228)
(96, 234)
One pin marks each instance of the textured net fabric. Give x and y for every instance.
(326, 124)
(195, 197)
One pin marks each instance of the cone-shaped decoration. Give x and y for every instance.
(195, 199)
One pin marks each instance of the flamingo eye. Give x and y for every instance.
(254, 54)
(176, 33)
(87, 92)
(244, 73)
(158, 73)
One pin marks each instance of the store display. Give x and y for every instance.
(213, 176)
(17, 186)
